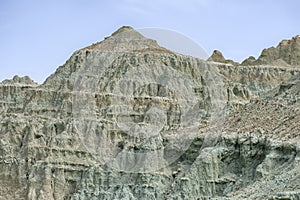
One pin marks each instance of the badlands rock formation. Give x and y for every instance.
(217, 56)
(287, 52)
(127, 119)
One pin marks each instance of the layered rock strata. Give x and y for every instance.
(127, 119)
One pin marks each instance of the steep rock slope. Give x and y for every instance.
(127, 119)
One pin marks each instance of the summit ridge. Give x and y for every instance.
(126, 39)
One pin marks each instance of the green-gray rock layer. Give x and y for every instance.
(62, 139)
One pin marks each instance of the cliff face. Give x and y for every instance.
(127, 119)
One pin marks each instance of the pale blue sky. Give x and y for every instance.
(36, 36)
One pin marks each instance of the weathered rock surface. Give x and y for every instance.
(286, 53)
(26, 80)
(127, 119)
(217, 56)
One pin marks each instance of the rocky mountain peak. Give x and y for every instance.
(286, 53)
(126, 31)
(217, 56)
(123, 41)
(126, 39)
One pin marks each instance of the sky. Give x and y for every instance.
(37, 36)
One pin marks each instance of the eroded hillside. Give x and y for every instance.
(127, 119)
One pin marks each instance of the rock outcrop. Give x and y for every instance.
(16, 80)
(286, 53)
(217, 56)
(127, 119)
